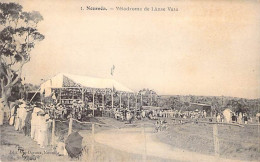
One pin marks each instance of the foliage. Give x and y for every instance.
(18, 36)
(149, 97)
(218, 103)
(19, 90)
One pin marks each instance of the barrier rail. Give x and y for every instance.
(216, 138)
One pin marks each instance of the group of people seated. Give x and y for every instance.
(155, 114)
(124, 115)
(77, 110)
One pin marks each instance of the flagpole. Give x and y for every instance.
(112, 95)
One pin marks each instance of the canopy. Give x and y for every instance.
(68, 80)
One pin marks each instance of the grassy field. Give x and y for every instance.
(236, 142)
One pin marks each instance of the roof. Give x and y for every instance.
(69, 80)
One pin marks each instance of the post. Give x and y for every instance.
(216, 140)
(144, 136)
(141, 100)
(112, 95)
(70, 126)
(103, 104)
(120, 99)
(53, 133)
(93, 103)
(24, 92)
(136, 95)
(93, 142)
(128, 102)
(151, 99)
(82, 95)
(103, 101)
(60, 96)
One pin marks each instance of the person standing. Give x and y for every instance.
(227, 115)
(13, 113)
(239, 118)
(35, 122)
(204, 114)
(160, 113)
(143, 114)
(17, 123)
(43, 130)
(27, 126)
(218, 117)
(245, 119)
(22, 115)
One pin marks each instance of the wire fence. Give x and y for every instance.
(216, 137)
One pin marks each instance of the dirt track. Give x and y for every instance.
(133, 140)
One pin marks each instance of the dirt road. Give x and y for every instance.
(134, 140)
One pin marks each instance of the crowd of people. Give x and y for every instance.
(156, 114)
(35, 120)
(227, 116)
(32, 120)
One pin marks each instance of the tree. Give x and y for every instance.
(238, 105)
(149, 97)
(19, 90)
(18, 36)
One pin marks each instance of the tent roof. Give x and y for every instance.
(60, 81)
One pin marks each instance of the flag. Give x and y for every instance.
(112, 70)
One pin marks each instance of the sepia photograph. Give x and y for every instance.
(129, 80)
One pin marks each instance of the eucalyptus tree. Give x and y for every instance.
(18, 36)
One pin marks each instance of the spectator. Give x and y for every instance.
(245, 119)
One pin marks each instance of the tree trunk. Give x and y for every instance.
(6, 91)
(4, 107)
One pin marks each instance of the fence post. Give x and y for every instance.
(216, 140)
(144, 137)
(53, 133)
(70, 126)
(93, 141)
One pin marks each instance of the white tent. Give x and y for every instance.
(68, 80)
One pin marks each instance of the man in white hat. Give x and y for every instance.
(45, 123)
(18, 125)
(22, 114)
(35, 122)
(227, 115)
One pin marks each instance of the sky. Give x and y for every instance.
(205, 48)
